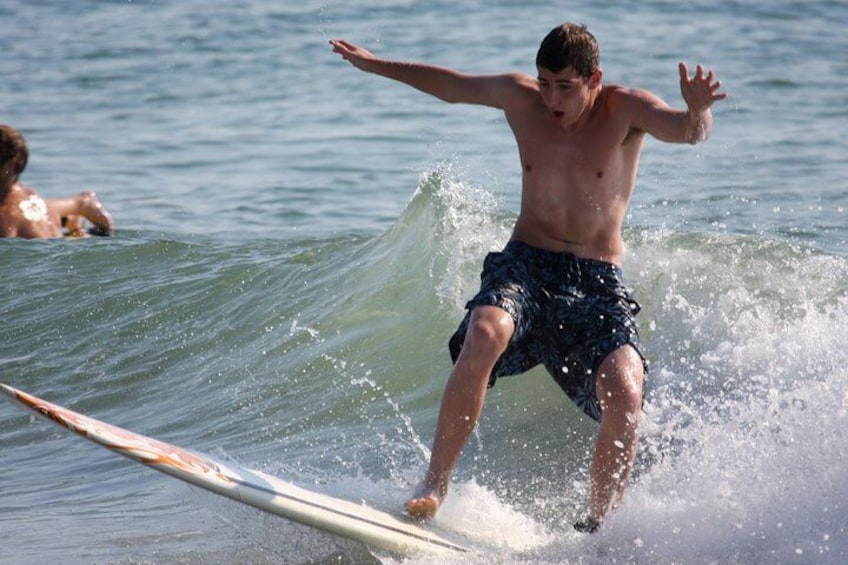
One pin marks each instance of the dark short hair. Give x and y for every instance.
(569, 45)
(13, 150)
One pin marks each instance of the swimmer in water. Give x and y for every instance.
(24, 213)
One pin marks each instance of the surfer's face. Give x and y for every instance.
(566, 94)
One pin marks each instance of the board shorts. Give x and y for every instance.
(569, 314)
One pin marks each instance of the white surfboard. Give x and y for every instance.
(255, 488)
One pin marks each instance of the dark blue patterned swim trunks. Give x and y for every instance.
(569, 314)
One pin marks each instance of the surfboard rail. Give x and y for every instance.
(255, 488)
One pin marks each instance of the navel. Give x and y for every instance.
(528, 167)
(600, 174)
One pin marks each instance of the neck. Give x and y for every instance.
(6, 186)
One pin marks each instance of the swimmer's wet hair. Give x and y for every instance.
(14, 153)
(569, 46)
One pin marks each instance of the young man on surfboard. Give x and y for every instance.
(23, 213)
(555, 294)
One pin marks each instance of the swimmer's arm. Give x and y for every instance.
(443, 83)
(83, 205)
(651, 114)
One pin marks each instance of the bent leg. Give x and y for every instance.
(619, 389)
(489, 331)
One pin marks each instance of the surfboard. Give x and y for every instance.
(255, 488)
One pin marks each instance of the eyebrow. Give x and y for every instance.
(558, 81)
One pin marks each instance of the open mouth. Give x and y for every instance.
(558, 114)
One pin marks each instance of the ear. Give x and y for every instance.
(595, 80)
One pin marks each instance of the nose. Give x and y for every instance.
(555, 100)
(554, 97)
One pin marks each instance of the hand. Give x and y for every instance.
(90, 207)
(699, 92)
(357, 56)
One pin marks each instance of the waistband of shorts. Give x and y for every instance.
(537, 255)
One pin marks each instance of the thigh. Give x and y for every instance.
(507, 290)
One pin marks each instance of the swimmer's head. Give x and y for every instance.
(13, 152)
(569, 46)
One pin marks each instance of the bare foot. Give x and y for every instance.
(426, 502)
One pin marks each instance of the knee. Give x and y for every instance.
(619, 384)
(490, 328)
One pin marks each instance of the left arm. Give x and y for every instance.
(693, 125)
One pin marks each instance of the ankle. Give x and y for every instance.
(436, 484)
(588, 525)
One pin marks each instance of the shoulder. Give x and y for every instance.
(21, 192)
(623, 98)
(502, 91)
(634, 107)
(16, 194)
(521, 82)
(643, 110)
(511, 83)
(517, 88)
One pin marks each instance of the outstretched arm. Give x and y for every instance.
(443, 83)
(85, 205)
(699, 93)
(694, 124)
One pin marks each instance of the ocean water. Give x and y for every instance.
(296, 240)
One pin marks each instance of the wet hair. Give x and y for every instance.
(13, 150)
(569, 45)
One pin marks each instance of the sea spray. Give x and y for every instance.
(746, 405)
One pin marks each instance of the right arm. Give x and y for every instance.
(83, 205)
(443, 83)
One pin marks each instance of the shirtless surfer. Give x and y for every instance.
(25, 214)
(555, 294)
